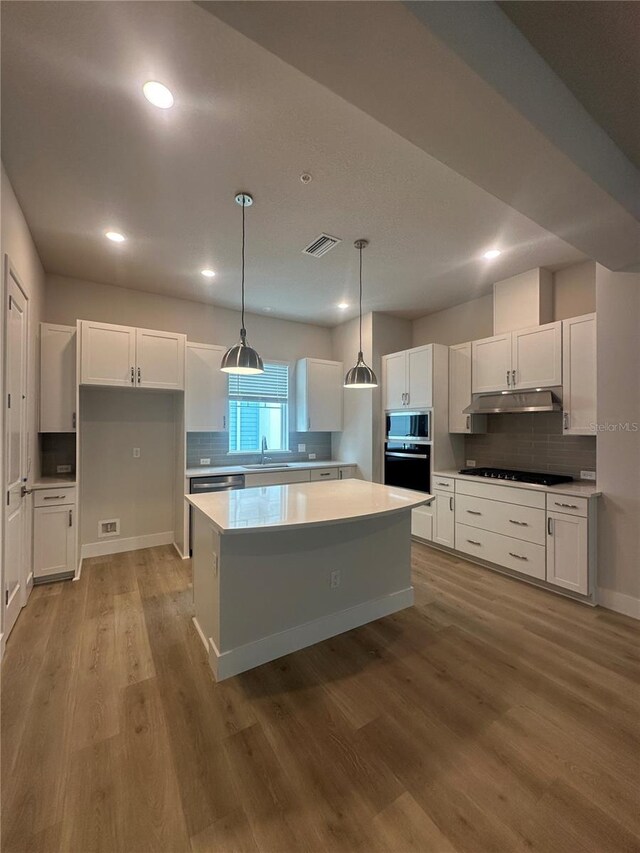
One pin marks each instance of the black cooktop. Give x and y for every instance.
(518, 476)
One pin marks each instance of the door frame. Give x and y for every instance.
(9, 270)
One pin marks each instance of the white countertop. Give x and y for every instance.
(201, 471)
(578, 488)
(303, 504)
(54, 482)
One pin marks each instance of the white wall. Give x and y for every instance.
(574, 290)
(618, 309)
(469, 321)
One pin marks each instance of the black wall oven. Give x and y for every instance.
(408, 465)
(409, 426)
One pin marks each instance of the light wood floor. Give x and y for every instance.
(491, 716)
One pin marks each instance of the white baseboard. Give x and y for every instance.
(76, 577)
(132, 543)
(618, 601)
(242, 658)
(179, 552)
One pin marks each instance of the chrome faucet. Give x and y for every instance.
(263, 448)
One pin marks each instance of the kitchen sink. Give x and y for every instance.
(259, 465)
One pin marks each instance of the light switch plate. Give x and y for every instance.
(302, 448)
(312, 456)
(136, 453)
(205, 461)
(587, 475)
(63, 469)
(471, 463)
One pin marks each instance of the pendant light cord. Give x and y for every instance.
(243, 241)
(360, 251)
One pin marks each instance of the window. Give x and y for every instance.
(259, 406)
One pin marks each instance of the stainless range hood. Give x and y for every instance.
(536, 400)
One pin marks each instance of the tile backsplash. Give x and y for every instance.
(531, 441)
(215, 446)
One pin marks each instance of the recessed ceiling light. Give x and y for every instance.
(158, 94)
(115, 236)
(343, 305)
(491, 254)
(208, 273)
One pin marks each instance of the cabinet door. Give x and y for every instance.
(108, 354)
(459, 387)
(395, 380)
(491, 364)
(159, 359)
(206, 389)
(324, 389)
(567, 552)
(443, 518)
(536, 359)
(57, 378)
(579, 374)
(420, 378)
(347, 472)
(53, 540)
(422, 522)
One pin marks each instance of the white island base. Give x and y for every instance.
(279, 568)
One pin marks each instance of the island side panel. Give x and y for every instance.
(206, 578)
(276, 592)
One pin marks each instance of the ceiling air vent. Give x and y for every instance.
(321, 245)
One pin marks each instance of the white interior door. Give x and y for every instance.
(16, 460)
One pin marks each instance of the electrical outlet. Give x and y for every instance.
(205, 462)
(334, 581)
(136, 453)
(63, 469)
(312, 456)
(302, 448)
(587, 475)
(471, 463)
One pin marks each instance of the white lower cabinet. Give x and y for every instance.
(516, 554)
(347, 472)
(444, 518)
(54, 538)
(422, 522)
(568, 551)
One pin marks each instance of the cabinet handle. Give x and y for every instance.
(566, 506)
(513, 378)
(53, 497)
(468, 421)
(326, 474)
(451, 504)
(443, 484)
(70, 518)
(408, 397)
(508, 380)
(473, 542)
(132, 376)
(549, 527)
(473, 512)
(519, 523)
(138, 376)
(565, 420)
(73, 420)
(517, 556)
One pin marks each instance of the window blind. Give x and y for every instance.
(268, 387)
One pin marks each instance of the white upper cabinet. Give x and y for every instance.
(108, 354)
(319, 392)
(528, 358)
(491, 364)
(395, 380)
(206, 389)
(122, 356)
(408, 379)
(460, 392)
(536, 360)
(579, 374)
(160, 359)
(57, 378)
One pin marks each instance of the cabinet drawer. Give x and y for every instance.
(422, 523)
(275, 478)
(498, 492)
(324, 474)
(568, 504)
(518, 522)
(54, 497)
(524, 557)
(445, 484)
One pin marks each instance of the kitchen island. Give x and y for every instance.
(278, 568)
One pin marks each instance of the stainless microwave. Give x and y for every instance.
(409, 426)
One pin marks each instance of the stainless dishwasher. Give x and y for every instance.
(214, 483)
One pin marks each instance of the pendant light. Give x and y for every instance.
(360, 376)
(242, 358)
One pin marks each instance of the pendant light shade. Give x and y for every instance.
(360, 376)
(242, 358)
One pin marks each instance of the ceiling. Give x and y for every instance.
(85, 152)
(595, 48)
